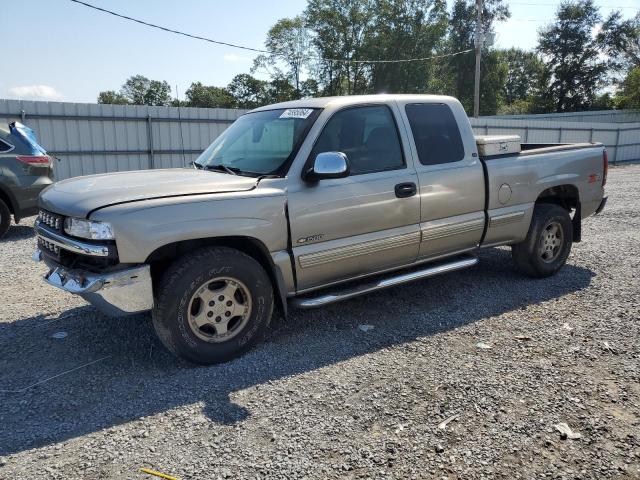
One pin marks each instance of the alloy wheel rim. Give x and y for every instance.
(551, 242)
(219, 309)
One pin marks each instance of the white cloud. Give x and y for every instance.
(35, 92)
(233, 58)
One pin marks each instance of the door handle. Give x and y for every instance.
(404, 190)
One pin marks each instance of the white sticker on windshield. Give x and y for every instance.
(296, 113)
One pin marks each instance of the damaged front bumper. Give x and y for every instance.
(115, 293)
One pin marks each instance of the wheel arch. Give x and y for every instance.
(162, 257)
(9, 199)
(566, 196)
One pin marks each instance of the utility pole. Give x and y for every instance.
(478, 44)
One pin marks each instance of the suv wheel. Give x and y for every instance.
(5, 218)
(548, 242)
(213, 305)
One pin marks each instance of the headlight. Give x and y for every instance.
(78, 227)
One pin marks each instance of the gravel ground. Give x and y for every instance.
(321, 398)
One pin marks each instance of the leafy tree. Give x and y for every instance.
(199, 95)
(341, 28)
(248, 91)
(112, 97)
(280, 90)
(309, 88)
(576, 62)
(406, 29)
(289, 44)
(629, 94)
(139, 90)
(620, 40)
(523, 74)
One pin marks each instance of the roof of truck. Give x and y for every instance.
(324, 102)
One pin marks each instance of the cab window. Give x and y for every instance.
(435, 132)
(367, 135)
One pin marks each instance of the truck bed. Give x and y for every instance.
(517, 179)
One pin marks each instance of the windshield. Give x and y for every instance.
(259, 143)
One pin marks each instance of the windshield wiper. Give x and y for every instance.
(223, 168)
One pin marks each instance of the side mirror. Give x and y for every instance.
(328, 165)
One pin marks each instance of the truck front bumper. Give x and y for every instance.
(115, 293)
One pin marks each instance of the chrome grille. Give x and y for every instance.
(52, 220)
(48, 247)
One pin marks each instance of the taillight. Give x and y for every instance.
(39, 160)
(605, 167)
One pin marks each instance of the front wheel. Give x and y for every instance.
(548, 243)
(213, 305)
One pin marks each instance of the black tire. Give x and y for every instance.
(5, 218)
(527, 254)
(175, 295)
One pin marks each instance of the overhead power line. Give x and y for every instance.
(243, 47)
(170, 30)
(421, 59)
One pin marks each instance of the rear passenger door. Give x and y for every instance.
(367, 222)
(450, 176)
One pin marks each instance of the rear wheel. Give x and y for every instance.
(5, 218)
(548, 243)
(213, 305)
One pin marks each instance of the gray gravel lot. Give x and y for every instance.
(321, 398)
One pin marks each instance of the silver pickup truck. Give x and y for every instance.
(307, 203)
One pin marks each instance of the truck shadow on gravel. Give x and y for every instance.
(135, 377)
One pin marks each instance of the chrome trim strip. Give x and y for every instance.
(387, 282)
(442, 231)
(69, 244)
(506, 218)
(364, 248)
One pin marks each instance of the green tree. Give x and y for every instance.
(629, 94)
(199, 95)
(289, 46)
(406, 29)
(139, 90)
(523, 74)
(112, 97)
(248, 91)
(620, 41)
(280, 89)
(574, 68)
(340, 31)
(309, 88)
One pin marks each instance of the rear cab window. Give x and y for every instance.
(435, 132)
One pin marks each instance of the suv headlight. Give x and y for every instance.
(78, 227)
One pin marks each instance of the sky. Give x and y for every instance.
(60, 51)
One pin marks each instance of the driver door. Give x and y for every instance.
(367, 222)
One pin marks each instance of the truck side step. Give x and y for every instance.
(346, 291)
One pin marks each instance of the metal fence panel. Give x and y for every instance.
(598, 116)
(91, 138)
(622, 140)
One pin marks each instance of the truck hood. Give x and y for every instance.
(78, 197)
